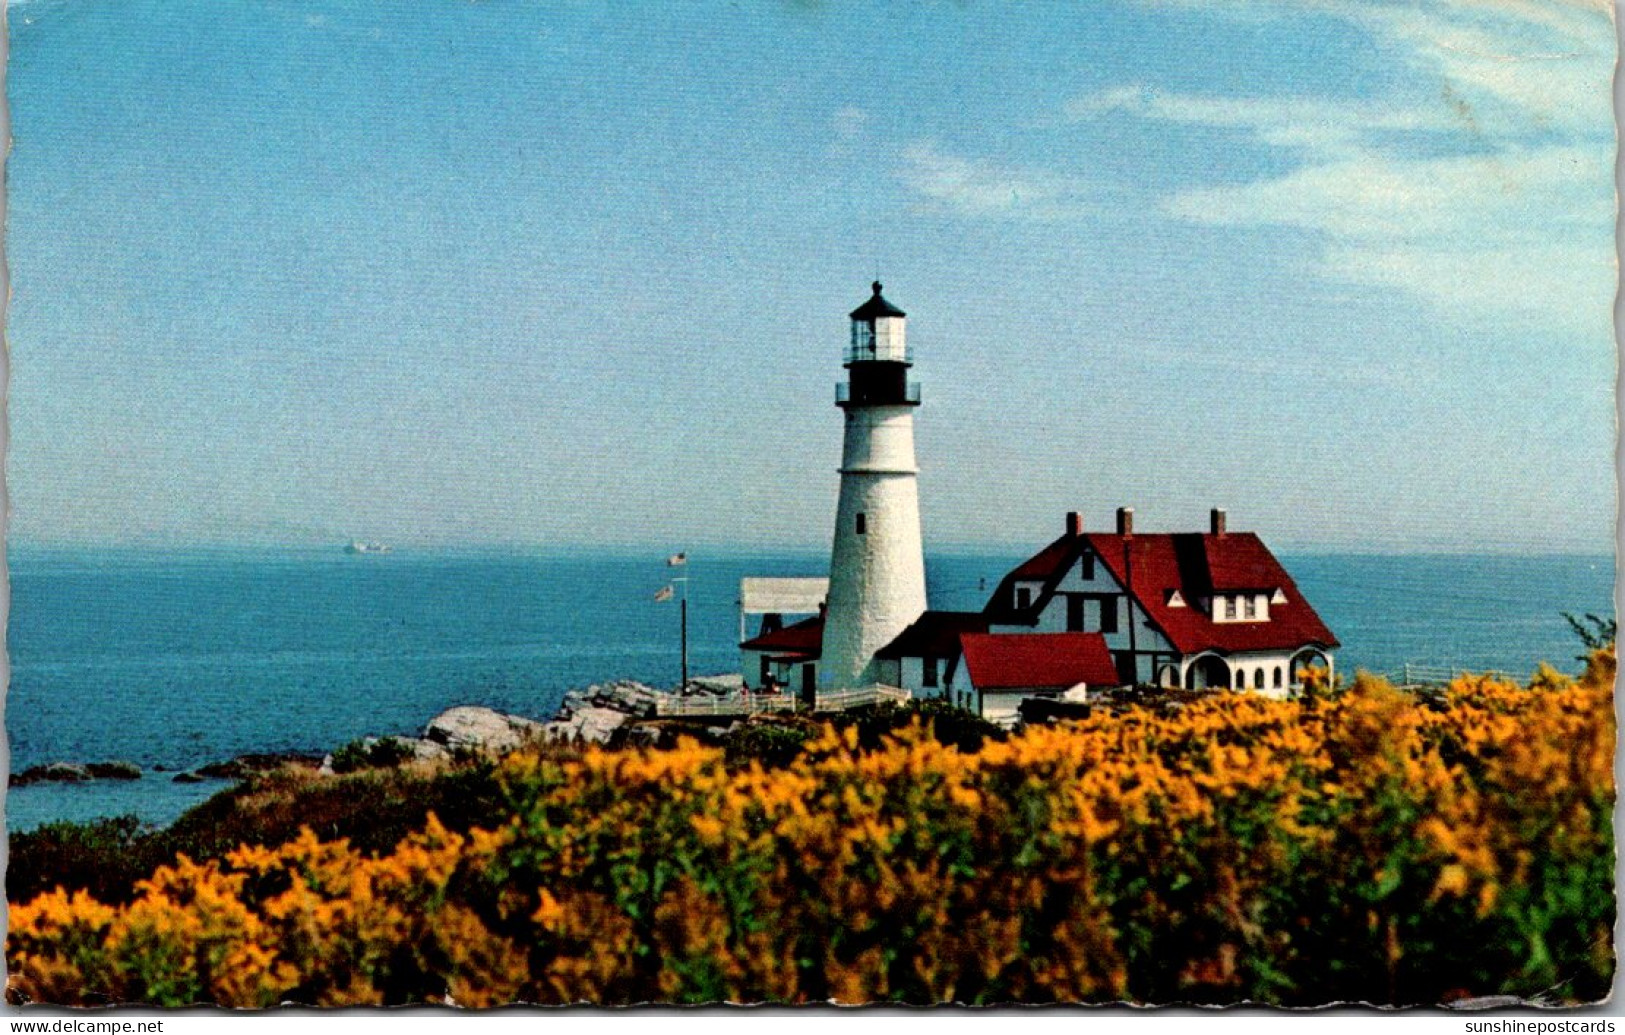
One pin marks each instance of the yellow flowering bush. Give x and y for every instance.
(1362, 844)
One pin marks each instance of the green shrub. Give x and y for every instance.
(385, 753)
(772, 743)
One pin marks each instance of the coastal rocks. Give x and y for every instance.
(55, 772)
(470, 727)
(424, 750)
(588, 725)
(76, 772)
(643, 736)
(602, 713)
(720, 686)
(623, 695)
(244, 766)
(114, 771)
(383, 753)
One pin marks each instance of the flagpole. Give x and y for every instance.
(676, 560)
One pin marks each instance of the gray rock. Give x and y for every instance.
(623, 695)
(54, 772)
(721, 685)
(590, 725)
(244, 766)
(426, 750)
(189, 778)
(480, 729)
(114, 771)
(641, 735)
(412, 749)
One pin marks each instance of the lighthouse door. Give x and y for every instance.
(809, 685)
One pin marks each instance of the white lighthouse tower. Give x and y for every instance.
(877, 565)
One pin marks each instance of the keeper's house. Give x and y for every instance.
(1194, 610)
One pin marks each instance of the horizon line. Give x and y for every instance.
(737, 548)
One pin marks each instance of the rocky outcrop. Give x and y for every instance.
(473, 728)
(76, 772)
(376, 752)
(423, 749)
(244, 766)
(602, 713)
(54, 772)
(589, 725)
(719, 685)
(623, 695)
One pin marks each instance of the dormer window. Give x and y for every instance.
(1227, 608)
(1248, 608)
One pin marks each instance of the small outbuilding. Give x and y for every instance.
(995, 672)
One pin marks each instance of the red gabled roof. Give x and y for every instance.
(1046, 566)
(1240, 561)
(935, 634)
(1199, 565)
(1043, 564)
(803, 637)
(1037, 661)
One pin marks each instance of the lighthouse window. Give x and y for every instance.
(862, 525)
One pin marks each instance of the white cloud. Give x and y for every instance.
(1509, 209)
(1305, 123)
(983, 188)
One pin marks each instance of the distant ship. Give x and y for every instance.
(359, 547)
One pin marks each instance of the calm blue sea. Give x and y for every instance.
(172, 660)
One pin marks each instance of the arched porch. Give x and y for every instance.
(1309, 657)
(1208, 671)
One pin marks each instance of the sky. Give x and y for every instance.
(552, 275)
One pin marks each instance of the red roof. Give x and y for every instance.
(1037, 661)
(1043, 563)
(1196, 564)
(805, 637)
(1199, 565)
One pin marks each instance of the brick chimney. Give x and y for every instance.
(1074, 524)
(1216, 524)
(1125, 521)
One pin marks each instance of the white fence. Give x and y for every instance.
(1438, 675)
(840, 700)
(703, 705)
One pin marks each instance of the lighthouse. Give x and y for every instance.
(877, 563)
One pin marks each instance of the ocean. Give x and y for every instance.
(179, 658)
